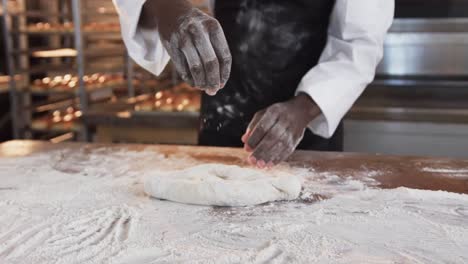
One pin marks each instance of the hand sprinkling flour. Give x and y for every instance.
(194, 40)
(275, 132)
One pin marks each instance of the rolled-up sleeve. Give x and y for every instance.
(354, 49)
(144, 46)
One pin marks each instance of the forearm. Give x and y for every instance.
(311, 109)
(159, 10)
(143, 45)
(349, 60)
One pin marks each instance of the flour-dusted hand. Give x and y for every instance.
(194, 40)
(275, 132)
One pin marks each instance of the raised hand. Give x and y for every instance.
(194, 40)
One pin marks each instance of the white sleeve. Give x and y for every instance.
(354, 49)
(144, 46)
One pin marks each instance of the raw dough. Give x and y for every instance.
(222, 185)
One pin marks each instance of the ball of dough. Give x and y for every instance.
(222, 185)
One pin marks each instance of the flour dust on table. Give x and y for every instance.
(222, 185)
(89, 206)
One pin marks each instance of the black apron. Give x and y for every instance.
(274, 43)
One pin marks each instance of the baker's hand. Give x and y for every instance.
(275, 132)
(194, 40)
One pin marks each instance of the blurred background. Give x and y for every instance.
(65, 76)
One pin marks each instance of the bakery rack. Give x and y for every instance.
(67, 73)
(70, 59)
(167, 116)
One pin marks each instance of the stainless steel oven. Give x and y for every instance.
(422, 47)
(418, 103)
(429, 38)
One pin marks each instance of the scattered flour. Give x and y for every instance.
(452, 172)
(88, 206)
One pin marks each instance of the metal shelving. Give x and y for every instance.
(72, 58)
(11, 71)
(77, 50)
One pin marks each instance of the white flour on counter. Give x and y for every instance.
(88, 206)
(458, 173)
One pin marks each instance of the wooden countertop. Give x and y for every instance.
(85, 203)
(389, 171)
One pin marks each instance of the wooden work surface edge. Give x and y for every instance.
(390, 171)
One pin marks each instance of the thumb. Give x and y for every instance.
(245, 137)
(253, 123)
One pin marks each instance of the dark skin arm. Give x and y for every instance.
(275, 132)
(194, 40)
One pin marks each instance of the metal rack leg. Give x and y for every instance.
(129, 68)
(80, 60)
(11, 72)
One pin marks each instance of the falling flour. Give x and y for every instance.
(90, 207)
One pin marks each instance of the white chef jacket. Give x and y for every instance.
(347, 65)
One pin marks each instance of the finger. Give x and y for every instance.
(255, 120)
(252, 124)
(178, 59)
(265, 123)
(263, 152)
(244, 139)
(245, 136)
(211, 92)
(261, 164)
(248, 149)
(252, 161)
(284, 149)
(182, 67)
(194, 63)
(278, 150)
(208, 57)
(270, 165)
(221, 48)
(284, 155)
